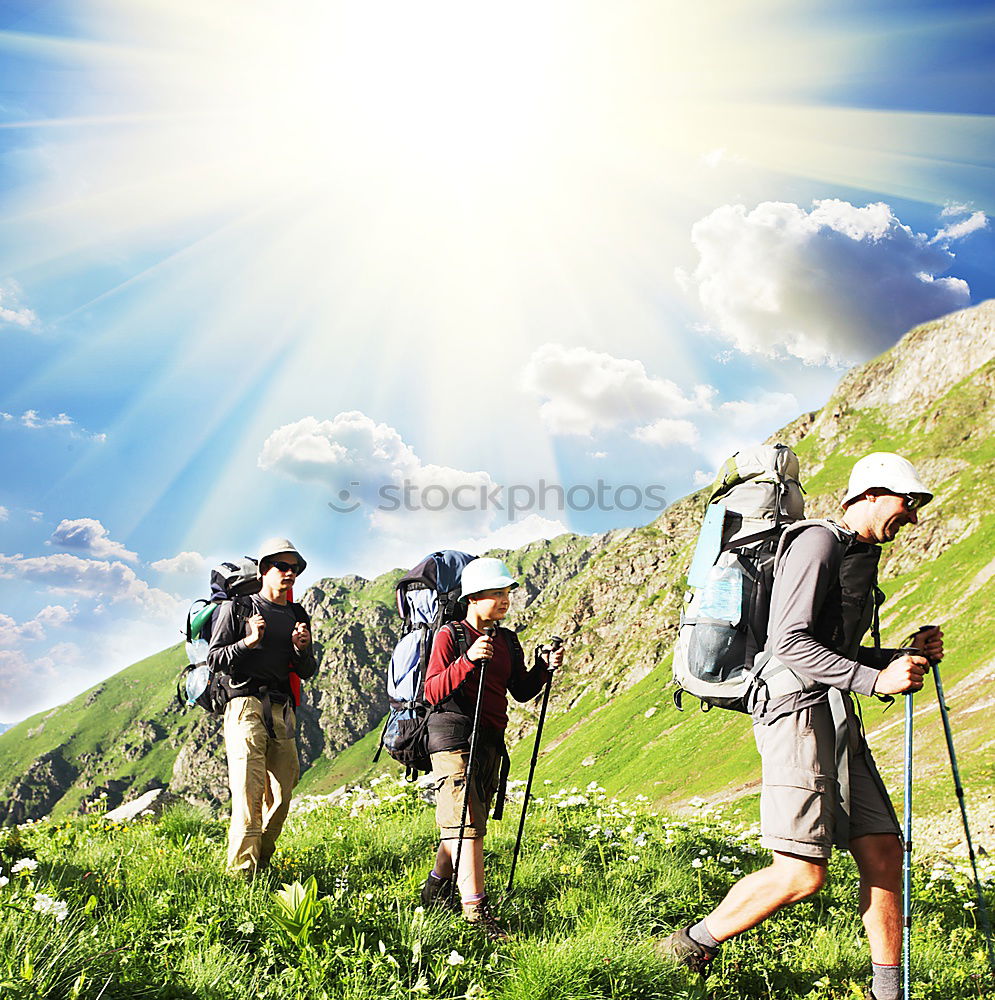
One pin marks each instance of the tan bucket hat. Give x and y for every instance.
(276, 546)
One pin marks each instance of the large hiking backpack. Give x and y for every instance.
(197, 683)
(428, 597)
(727, 605)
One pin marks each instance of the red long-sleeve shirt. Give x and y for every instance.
(506, 673)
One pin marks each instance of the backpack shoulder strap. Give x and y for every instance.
(459, 634)
(788, 535)
(241, 609)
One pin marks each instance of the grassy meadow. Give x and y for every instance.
(96, 909)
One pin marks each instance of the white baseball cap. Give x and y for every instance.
(884, 470)
(485, 574)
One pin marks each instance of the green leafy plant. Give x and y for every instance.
(297, 910)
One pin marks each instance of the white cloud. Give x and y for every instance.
(29, 684)
(514, 535)
(20, 681)
(113, 582)
(4, 514)
(702, 478)
(185, 563)
(350, 449)
(667, 432)
(958, 230)
(368, 465)
(54, 615)
(34, 421)
(955, 208)
(584, 391)
(761, 415)
(11, 310)
(836, 284)
(89, 536)
(30, 418)
(13, 634)
(743, 423)
(716, 157)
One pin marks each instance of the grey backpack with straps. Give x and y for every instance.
(724, 620)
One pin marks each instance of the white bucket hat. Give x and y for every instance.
(485, 574)
(884, 470)
(275, 546)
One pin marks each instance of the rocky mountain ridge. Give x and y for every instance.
(615, 597)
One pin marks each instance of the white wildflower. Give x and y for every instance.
(52, 907)
(3, 881)
(455, 958)
(24, 865)
(697, 863)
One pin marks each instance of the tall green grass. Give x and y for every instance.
(148, 911)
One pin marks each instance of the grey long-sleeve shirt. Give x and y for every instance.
(808, 630)
(273, 659)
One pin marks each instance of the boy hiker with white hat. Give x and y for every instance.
(257, 656)
(461, 652)
(820, 786)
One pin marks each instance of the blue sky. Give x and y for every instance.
(257, 258)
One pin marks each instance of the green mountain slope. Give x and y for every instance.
(616, 599)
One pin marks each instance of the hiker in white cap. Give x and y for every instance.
(452, 684)
(254, 656)
(820, 786)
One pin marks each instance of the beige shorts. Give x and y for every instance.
(801, 807)
(449, 772)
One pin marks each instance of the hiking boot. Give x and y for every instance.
(437, 892)
(479, 915)
(682, 949)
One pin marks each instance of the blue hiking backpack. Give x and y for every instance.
(428, 597)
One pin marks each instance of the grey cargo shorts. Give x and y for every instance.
(801, 807)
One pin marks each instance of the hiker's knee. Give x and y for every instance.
(878, 858)
(800, 877)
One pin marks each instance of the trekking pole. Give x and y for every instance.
(471, 757)
(554, 643)
(959, 788)
(907, 856)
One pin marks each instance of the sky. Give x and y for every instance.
(388, 277)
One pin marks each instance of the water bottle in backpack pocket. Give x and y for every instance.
(724, 626)
(717, 637)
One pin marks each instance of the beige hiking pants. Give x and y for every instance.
(262, 772)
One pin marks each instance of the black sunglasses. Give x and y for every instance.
(285, 567)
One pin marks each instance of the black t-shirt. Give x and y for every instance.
(272, 660)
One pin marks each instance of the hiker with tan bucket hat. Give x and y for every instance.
(255, 652)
